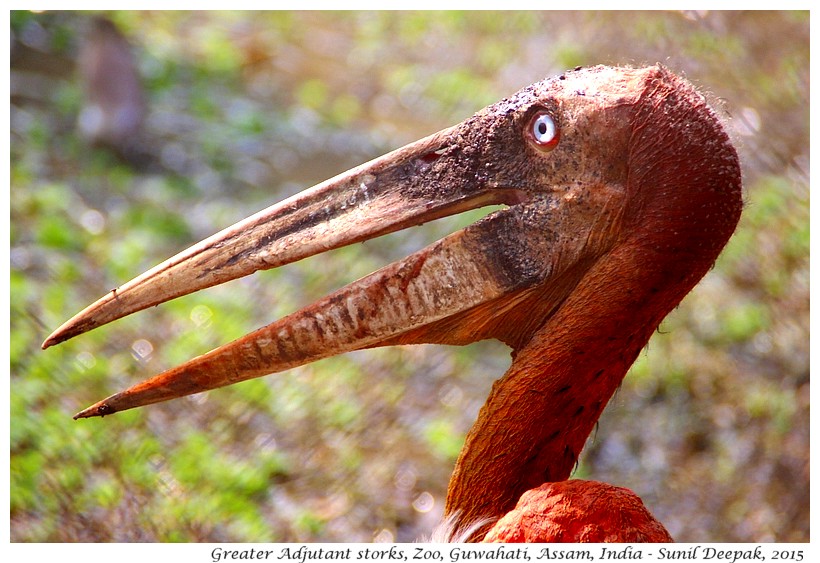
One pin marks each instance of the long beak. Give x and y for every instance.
(406, 187)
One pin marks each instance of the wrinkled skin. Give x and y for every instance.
(577, 511)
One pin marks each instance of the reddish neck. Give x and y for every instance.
(686, 199)
(539, 415)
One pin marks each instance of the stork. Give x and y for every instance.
(621, 188)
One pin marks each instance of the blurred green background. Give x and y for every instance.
(711, 427)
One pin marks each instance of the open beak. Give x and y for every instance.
(420, 182)
(501, 277)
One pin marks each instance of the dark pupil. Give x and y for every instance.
(542, 128)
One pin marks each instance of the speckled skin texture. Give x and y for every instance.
(577, 511)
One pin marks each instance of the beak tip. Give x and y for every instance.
(93, 316)
(98, 409)
(80, 324)
(62, 334)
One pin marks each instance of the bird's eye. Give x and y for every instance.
(542, 131)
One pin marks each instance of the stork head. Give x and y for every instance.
(585, 162)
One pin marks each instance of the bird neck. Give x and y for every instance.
(540, 413)
(686, 183)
